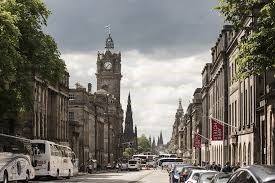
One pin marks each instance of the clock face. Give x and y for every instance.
(108, 65)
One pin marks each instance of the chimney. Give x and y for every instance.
(89, 87)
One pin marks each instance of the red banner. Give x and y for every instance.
(197, 141)
(217, 130)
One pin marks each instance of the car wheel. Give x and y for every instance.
(5, 178)
(57, 174)
(69, 175)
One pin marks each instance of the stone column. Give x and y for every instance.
(34, 124)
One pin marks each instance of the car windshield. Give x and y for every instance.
(132, 162)
(224, 178)
(207, 177)
(178, 168)
(186, 170)
(38, 148)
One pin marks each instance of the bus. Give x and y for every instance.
(166, 161)
(142, 157)
(52, 160)
(167, 156)
(15, 159)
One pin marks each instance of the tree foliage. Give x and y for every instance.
(257, 49)
(143, 144)
(129, 152)
(25, 51)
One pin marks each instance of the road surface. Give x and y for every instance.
(143, 176)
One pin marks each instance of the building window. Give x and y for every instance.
(244, 153)
(249, 154)
(71, 116)
(71, 97)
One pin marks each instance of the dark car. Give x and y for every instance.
(254, 174)
(186, 170)
(206, 177)
(221, 177)
(174, 174)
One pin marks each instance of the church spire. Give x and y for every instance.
(160, 138)
(129, 98)
(180, 109)
(129, 134)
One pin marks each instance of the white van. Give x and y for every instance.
(134, 164)
(15, 159)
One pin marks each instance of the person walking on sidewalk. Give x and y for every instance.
(227, 168)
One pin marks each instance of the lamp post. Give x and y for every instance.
(108, 120)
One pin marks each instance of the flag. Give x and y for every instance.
(197, 141)
(217, 130)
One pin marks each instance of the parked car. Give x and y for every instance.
(194, 175)
(221, 177)
(174, 173)
(254, 174)
(206, 177)
(185, 172)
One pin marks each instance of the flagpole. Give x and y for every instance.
(202, 136)
(222, 122)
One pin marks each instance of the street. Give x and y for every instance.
(143, 176)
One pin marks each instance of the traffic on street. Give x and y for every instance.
(174, 91)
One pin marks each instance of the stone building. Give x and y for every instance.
(96, 118)
(175, 140)
(196, 116)
(205, 126)
(264, 126)
(218, 95)
(189, 132)
(108, 79)
(250, 110)
(48, 119)
(242, 109)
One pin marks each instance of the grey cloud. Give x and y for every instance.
(181, 27)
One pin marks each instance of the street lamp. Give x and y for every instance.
(107, 113)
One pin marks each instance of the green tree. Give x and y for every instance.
(143, 144)
(257, 49)
(25, 51)
(129, 152)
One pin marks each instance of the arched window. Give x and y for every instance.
(249, 154)
(244, 153)
(240, 153)
(218, 159)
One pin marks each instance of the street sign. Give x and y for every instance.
(197, 141)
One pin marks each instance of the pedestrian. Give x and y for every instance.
(244, 163)
(236, 167)
(227, 168)
(118, 167)
(218, 168)
(213, 166)
(207, 166)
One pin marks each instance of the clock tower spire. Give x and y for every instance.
(109, 69)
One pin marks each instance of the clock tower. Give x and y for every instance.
(109, 69)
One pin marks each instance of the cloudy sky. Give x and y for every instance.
(164, 45)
